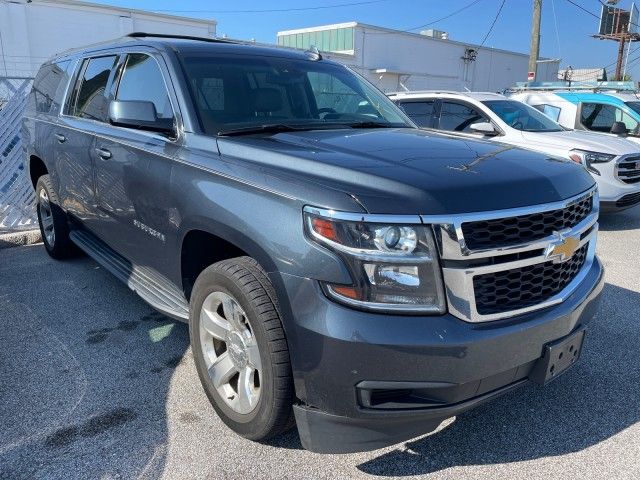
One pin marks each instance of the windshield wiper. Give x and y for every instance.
(372, 124)
(269, 128)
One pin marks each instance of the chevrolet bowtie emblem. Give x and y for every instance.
(562, 249)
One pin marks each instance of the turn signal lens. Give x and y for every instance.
(324, 228)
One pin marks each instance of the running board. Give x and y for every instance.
(154, 288)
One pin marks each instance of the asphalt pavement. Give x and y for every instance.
(95, 384)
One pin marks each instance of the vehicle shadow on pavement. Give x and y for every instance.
(85, 375)
(595, 400)
(620, 221)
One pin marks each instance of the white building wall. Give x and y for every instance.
(32, 32)
(419, 62)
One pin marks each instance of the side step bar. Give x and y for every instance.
(154, 288)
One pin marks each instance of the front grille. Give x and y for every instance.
(628, 200)
(629, 170)
(526, 286)
(508, 231)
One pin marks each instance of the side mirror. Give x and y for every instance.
(485, 128)
(141, 115)
(619, 128)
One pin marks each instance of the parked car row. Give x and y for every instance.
(613, 161)
(339, 268)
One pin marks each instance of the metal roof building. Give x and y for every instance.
(33, 30)
(393, 59)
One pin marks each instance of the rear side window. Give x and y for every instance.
(458, 117)
(419, 112)
(91, 101)
(48, 85)
(142, 81)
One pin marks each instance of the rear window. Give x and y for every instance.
(91, 101)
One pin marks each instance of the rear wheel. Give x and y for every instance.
(52, 221)
(240, 350)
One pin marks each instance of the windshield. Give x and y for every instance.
(233, 93)
(522, 117)
(635, 106)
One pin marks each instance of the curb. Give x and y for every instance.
(18, 239)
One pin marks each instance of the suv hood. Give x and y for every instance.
(410, 171)
(572, 139)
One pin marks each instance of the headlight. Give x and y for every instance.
(587, 158)
(394, 267)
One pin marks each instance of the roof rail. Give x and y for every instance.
(615, 86)
(411, 92)
(181, 37)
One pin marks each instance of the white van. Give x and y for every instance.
(614, 162)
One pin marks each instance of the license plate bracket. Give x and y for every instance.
(557, 357)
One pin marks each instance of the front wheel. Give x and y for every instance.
(52, 221)
(240, 350)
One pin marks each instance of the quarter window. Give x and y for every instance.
(91, 101)
(142, 81)
(47, 86)
(549, 110)
(420, 112)
(458, 117)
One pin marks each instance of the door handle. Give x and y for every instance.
(103, 153)
(61, 138)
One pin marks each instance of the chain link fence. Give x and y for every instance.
(17, 201)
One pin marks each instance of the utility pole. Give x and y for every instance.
(535, 39)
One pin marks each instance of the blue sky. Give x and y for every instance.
(511, 31)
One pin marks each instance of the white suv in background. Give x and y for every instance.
(614, 162)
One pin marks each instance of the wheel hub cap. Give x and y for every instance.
(237, 350)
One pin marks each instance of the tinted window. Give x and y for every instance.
(419, 112)
(521, 116)
(233, 92)
(601, 117)
(47, 86)
(142, 80)
(458, 117)
(91, 101)
(635, 106)
(549, 110)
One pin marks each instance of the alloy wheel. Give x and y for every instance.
(46, 218)
(230, 352)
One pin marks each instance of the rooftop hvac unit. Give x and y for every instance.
(441, 34)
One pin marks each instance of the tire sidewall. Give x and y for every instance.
(43, 184)
(259, 420)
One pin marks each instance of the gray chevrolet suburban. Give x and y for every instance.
(339, 269)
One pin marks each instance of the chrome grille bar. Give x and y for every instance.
(461, 264)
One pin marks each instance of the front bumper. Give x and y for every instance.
(625, 201)
(367, 380)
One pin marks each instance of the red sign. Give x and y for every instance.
(531, 76)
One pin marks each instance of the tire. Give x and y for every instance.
(240, 349)
(52, 221)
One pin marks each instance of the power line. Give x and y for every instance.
(555, 21)
(409, 30)
(583, 9)
(493, 23)
(297, 9)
